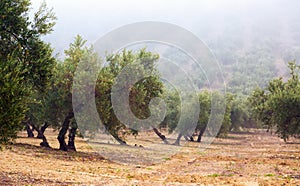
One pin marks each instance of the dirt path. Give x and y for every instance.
(241, 159)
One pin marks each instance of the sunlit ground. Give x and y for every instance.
(241, 159)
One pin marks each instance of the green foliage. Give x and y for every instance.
(172, 101)
(23, 38)
(26, 61)
(205, 109)
(140, 94)
(205, 100)
(278, 105)
(206, 116)
(226, 124)
(14, 99)
(253, 68)
(56, 103)
(240, 113)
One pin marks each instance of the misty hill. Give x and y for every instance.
(252, 40)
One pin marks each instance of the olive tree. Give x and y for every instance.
(26, 61)
(278, 104)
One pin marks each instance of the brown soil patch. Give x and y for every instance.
(252, 158)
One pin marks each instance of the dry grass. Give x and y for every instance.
(254, 158)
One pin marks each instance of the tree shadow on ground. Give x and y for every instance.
(18, 178)
(42, 152)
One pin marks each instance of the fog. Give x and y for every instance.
(212, 21)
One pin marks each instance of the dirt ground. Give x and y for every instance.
(249, 158)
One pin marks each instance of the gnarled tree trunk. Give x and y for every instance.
(201, 134)
(44, 143)
(71, 142)
(177, 142)
(41, 135)
(119, 140)
(188, 137)
(162, 137)
(63, 131)
(29, 130)
(42, 130)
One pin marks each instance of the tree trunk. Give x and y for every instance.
(188, 138)
(29, 130)
(113, 132)
(177, 142)
(71, 142)
(41, 136)
(162, 137)
(119, 140)
(63, 131)
(42, 130)
(45, 142)
(201, 134)
(191, 138)
(44, 127)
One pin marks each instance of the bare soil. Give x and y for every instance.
(250, 158)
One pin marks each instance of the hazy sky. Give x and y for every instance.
(94, 18)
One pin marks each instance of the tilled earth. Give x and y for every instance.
(250, 158)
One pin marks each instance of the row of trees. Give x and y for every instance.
(36, 89)
(278, 105)
(55, 108)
